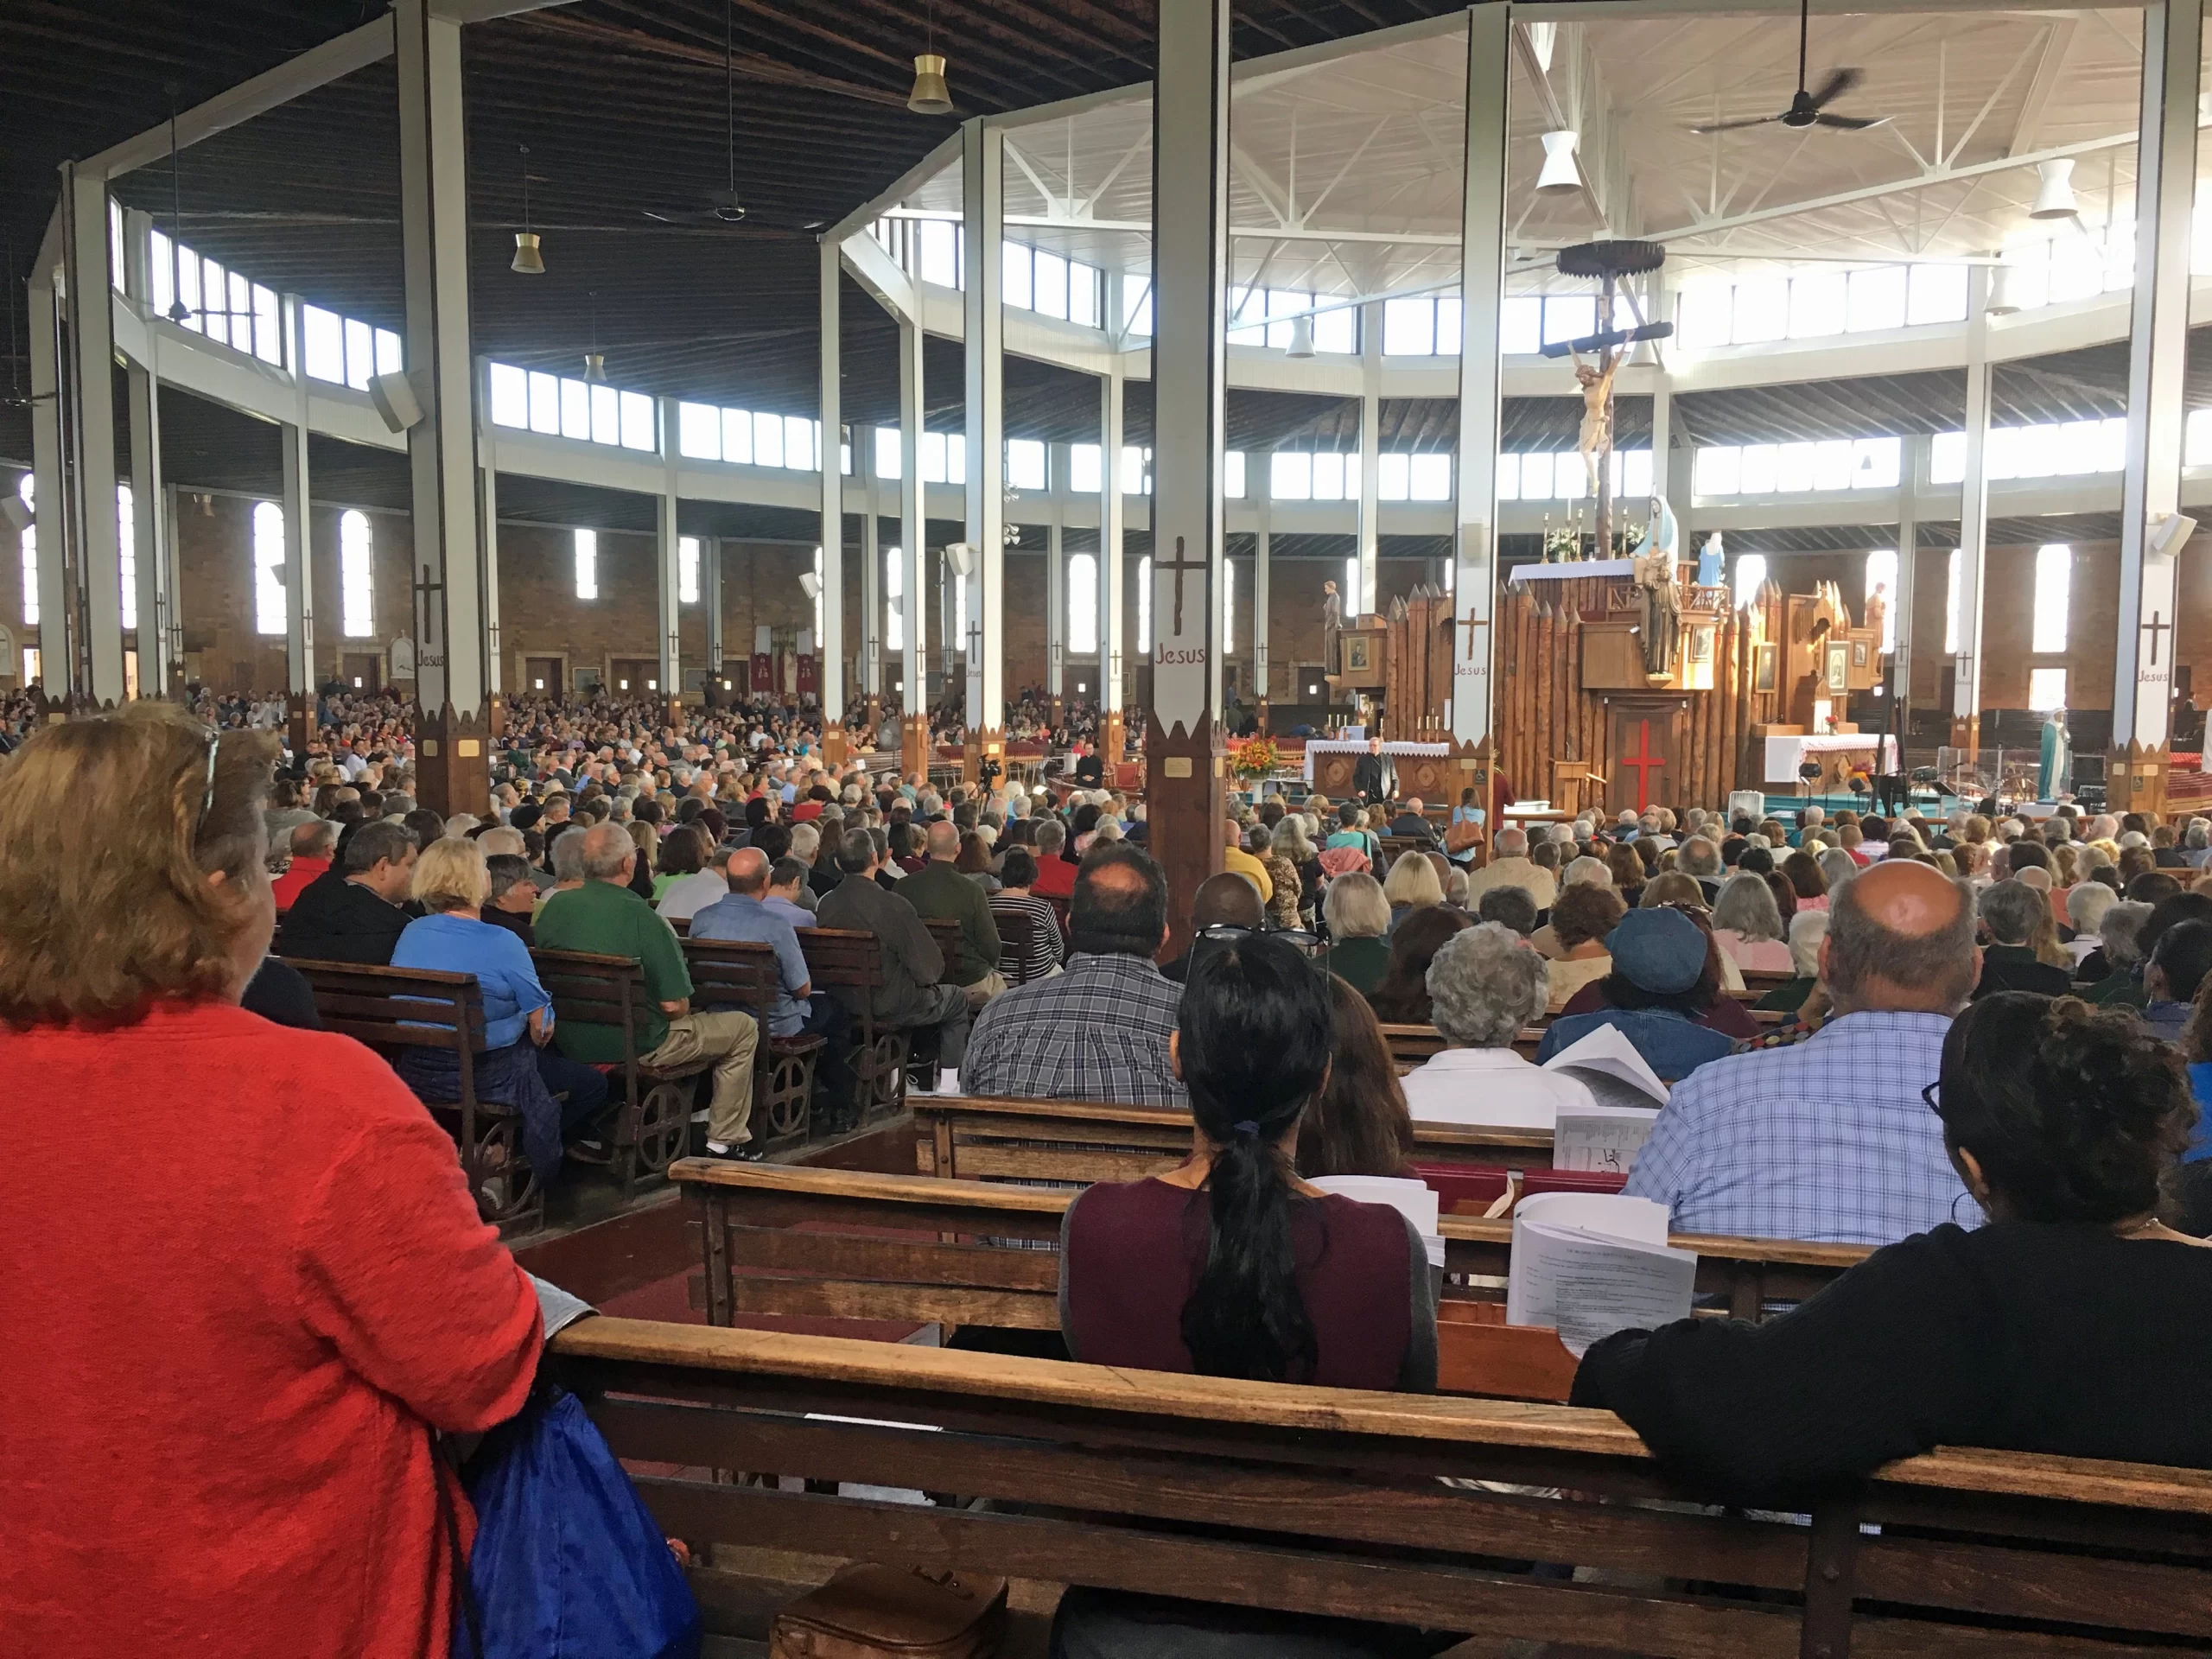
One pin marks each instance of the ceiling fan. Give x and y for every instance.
(1808, 108)
(724, 207)
(179, 312)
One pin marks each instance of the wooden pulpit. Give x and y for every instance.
(1570, 779)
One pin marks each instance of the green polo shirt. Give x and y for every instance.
(609, 920)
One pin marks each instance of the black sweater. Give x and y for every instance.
(2019, 1336)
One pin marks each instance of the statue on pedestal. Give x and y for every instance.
(1332, 621)
(1658, 588)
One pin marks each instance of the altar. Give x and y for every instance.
(1423, 768)
(1838, 753)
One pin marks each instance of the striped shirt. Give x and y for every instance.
(1046, 947)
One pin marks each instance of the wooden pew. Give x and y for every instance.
(826, 1243)
(973, 1138)
(738, 973)
(844, 959)
(946, 931)
(652, 1127)
(394, 1010)
(1318, 1502)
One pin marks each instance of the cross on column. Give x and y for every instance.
(1179, 564)
(2154, 627)
(1473, 622)
(431, 623)
(1644, 762)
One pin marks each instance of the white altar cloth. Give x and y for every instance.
(1578, 572)
(1785, 754)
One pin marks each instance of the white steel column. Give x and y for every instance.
(1912, 473)
(299, 559)
(1973, 520)
(1184, 780)
(1262, 576)
(1113, 519)
(913, 521)
(55, 653)
(1055, 598)
(452, 762)
(1482, 291)
(97, 549)
(487, 484)
(2165, 189)
(1370, 450)
(669, 545)
(871, 640)
(150, 516)
(829, 649)
(710, 596)
(983, 170)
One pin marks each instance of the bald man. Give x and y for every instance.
(1226, 901)
(937, 889)
(604, 917)
(1832, 1140)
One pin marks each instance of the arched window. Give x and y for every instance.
(894, 595)
(2054, 598)
(1751, 576)
(1144, 606)
(126, 528)
(28, 488)
(1228, 606)
(587, 564)
(356, 576)
(269, 611)
(687, 570)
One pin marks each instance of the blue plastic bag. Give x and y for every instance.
(568, 1562)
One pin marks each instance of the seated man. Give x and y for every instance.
(1055, 875)
(1099, 1031)
(1235, 861)
(1512, 867)
(356, 913)
(604, 917)
(939, 889)
(1224, 901)
(313, 843)
(745, 913)
(914, 995)
(1409, 823)
(2011, 910)
(1831, 1140)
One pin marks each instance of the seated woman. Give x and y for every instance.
(1717, 1011)
(1627, 871)
(1486, 985)
(1662, 979)
(1806, 933)
(1285, 898)
(1806, 875)
(326, 1295)
(1358, 1125)
(2051, 1329)
(1748, 925)
(1582, 916)
(518, 1067)
(1351, 831)
(1411, 885)
(1401, 999)
(1231, 1266)
(1358, 916)
(1047, 948)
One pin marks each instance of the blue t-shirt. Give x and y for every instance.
(457, 945)
(2199, 1084)
(744, 919)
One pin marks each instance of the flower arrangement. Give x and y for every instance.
(1256, 759)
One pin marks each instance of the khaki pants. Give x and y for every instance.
(990, 985)
(728, 1038)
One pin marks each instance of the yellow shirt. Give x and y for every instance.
(1235, 859)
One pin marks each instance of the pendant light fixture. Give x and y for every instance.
(1558, 173)
(595, 360)
(2002, 300)
(2054, 190)
(179, 312)
(929, 96)
(1301, 336)
(529, 261)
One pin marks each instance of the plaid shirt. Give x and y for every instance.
(1828, 1140)
(1098, 1032)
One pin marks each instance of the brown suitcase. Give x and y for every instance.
(868, 1611)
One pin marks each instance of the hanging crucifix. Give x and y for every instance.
(1607, 348)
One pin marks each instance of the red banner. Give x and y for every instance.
(810, 675)
(762, 673)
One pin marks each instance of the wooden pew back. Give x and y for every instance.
(976, 1138)
(846, 959)
(1330, 1502)
(653, 1127)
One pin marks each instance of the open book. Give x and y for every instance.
(1625, 1095)
(1414, 1200)
(1590, 1263)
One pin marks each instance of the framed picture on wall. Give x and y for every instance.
(1701, 642)
(1859, 654)
(1358, 654)
(1838, 676)
(1762, 673)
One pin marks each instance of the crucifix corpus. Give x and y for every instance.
(1609, 348)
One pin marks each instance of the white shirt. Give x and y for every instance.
(1492, 1087)
(689, 894)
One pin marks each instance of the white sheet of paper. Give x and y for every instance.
(1600, 1286)
(1415, 1200)
(1599, 1219)
(1603, 1137)
(1606, 1050)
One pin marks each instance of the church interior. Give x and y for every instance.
(1772, 410)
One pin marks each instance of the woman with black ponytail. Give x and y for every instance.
(1231, 1266)
(2070, 1324)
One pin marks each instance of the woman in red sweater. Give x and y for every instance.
(244, 1275)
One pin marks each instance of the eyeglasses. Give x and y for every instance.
(215, 741)
(1932, 1096)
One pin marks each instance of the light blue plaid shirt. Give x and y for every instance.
(1828, 1141)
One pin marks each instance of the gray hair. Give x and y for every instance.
(2009, 907)
(1355, 907)
(2121, 933)
(806, 841)
(1838, 867)
(568, 857)
(1698, 857)
(1512, 843)
(1052, 835)
(1746, 906)
(385, 841)
(315, 840)
(503, 841)
(1806, 929)
(1483, 986)
(2197, 836)
(606, 848)
(1290, 840)
(2085, 905)
(1595, 871)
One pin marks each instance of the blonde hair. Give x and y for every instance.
(1413, 881)
(104, 881)
(451, 874)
